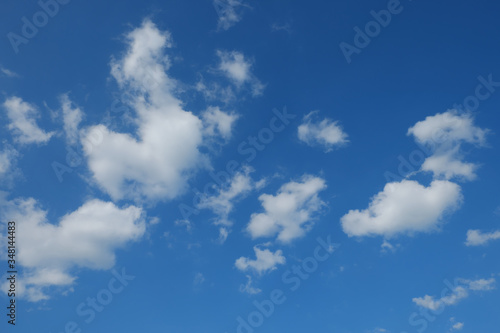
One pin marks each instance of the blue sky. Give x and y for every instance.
(242, 166)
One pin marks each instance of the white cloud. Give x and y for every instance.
(476, 237)
(409, 207)
(457, 326)
(222, 202)
(444, 133)
(404, 207)
(326, 132)
(7, 159)
(7, 72)
(249, 288)
(458, 293)
(429, 302)
(156, 162)
(228, 13)
(198, 279)
(447, 129)
(379, 330)
(184, 223)
(265, 261)
(22, 117)
(72, 116)
(481, 284)
(386, 247)
(282, 27)
(448, 166)
(218, 122)
(86, 237)
(289, 213)
(238, 69)
(223, 234)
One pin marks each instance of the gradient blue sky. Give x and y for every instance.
(176, 90)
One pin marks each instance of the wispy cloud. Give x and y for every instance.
(265, 261)
(238, 69)
(229, 12)
(22, 117)
(7, 72)
(459, 293)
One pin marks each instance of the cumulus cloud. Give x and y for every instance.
(155, 162)
(408, 207)
(404, 207)
(290, 212)
(22, 117)
(448, 166)
(476, 237)
(326, 133)
(218, 122)
(87, 238)
(458, 293)
(238, 70)
(229, 12)
(445, 133)
(72, 117)
(264, 262)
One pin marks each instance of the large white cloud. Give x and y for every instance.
(22, 117)
(290, 212)
(404, 207)
(408, 207)
(155, 162)
(86, 237)
(265, 261)
(326, 132)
